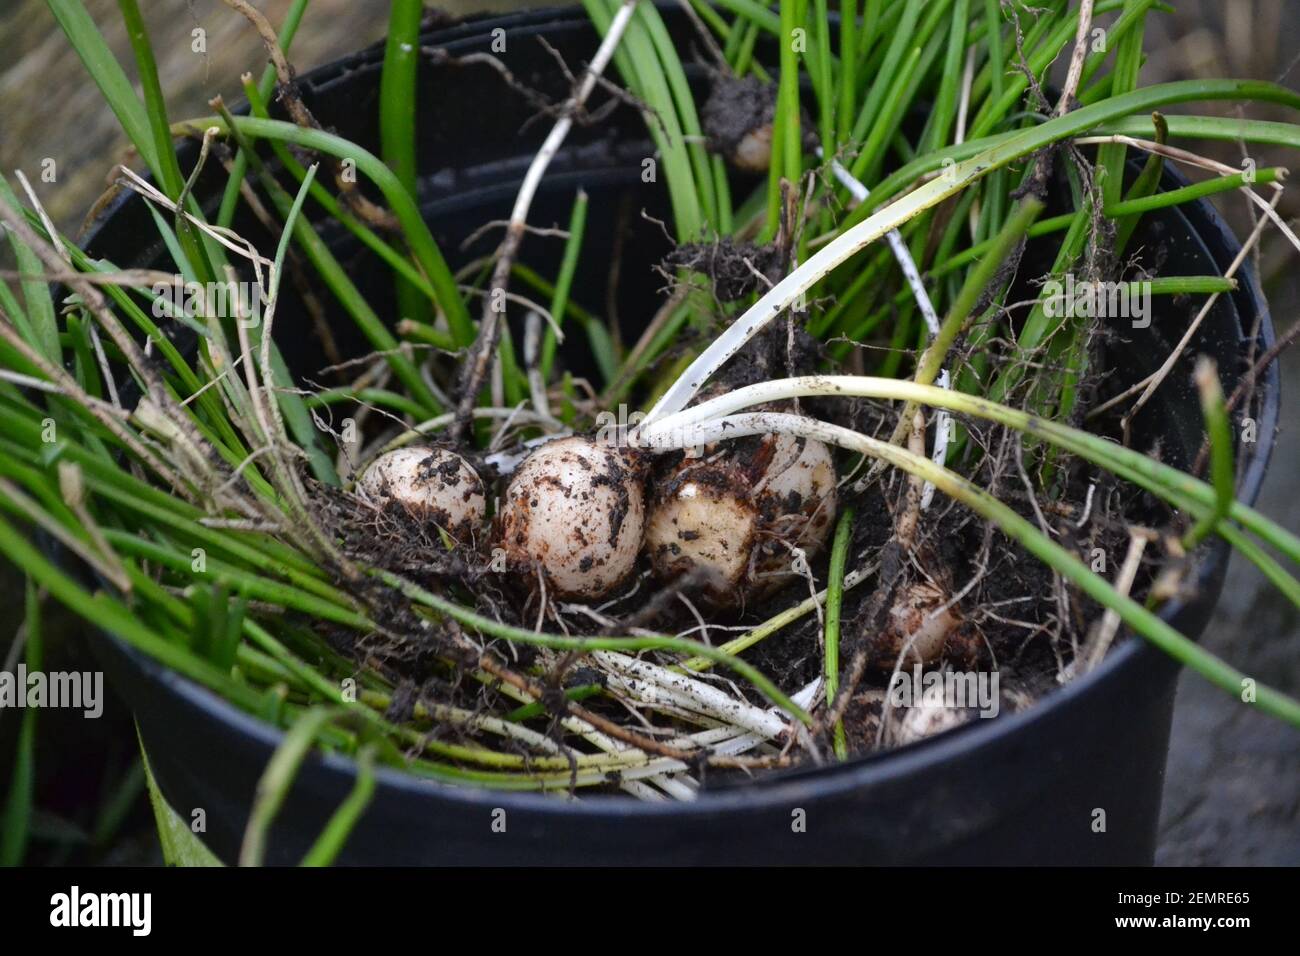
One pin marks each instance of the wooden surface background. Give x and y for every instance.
(50, 109)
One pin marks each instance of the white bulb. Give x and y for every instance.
(704, 527)
(574, 509)
(434, 483)
(796, 498)
(926, 720)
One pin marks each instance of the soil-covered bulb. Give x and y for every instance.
(575, 511)
(737, 121)
(433, 483)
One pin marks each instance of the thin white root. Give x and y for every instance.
(923, 303)
(1095, 649)
(651, 683)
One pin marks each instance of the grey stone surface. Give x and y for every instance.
(1232, 787)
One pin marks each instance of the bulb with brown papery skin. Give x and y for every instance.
(732, 521)
(917, 627)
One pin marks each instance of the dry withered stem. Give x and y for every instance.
(484, 349)
(98, 307)
(296, 270)
(1247, 385)
(1075, 71)
(557, 702)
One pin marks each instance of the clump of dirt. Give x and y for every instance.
(737, 121)
(783, 349)
(735, 268)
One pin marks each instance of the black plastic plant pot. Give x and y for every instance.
(1076, 778)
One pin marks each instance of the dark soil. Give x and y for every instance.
(735, 268)
(737, 118)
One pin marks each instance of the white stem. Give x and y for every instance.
(786, 292)
(963, 105)
(26, 381)
(532, 348)
(913, 276)
(641, 791)
(610, 746)
(764, 423)
(1075, 72)
(666, 432)
(725, 741)
(859, 192)
(941, 429)
(485, 723)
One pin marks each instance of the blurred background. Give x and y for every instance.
(1231, 794)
